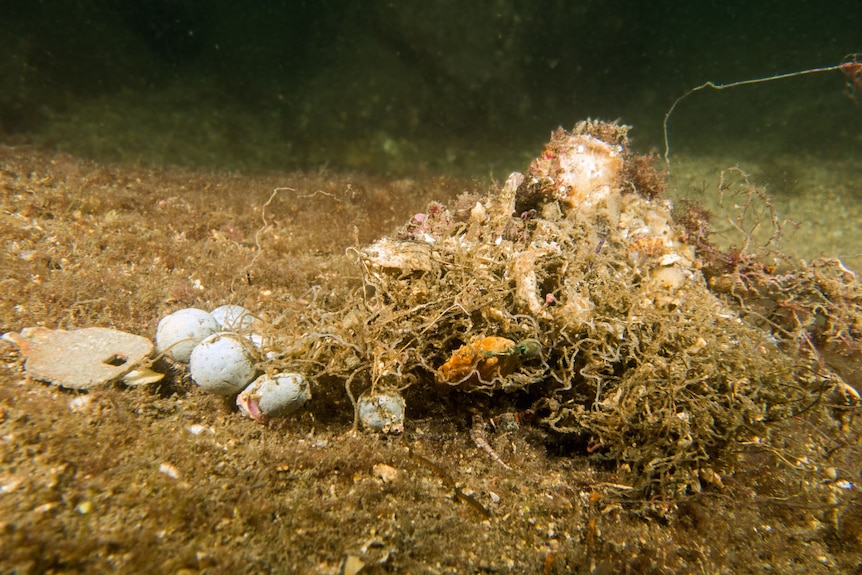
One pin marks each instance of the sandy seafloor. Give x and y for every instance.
(83, 482)
(820, 200)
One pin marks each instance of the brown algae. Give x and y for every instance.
(641, 355)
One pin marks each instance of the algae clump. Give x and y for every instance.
(578, 296)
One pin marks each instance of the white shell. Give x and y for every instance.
(233, 318)
(223, 363)
(179, 332)
(396, 255)
(281, 394)
(238, 319)
(382, 411)
(590, 170)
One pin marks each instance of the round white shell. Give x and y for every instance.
(238, 319)
(179, 332)
(223, 363)
(233, 318)
(382, 411)
(281, 394)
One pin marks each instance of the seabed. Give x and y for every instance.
(167, 478)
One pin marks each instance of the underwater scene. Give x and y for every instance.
(391, 287)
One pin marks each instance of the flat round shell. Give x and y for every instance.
(80, 358)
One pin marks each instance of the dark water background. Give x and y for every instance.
(400, 87)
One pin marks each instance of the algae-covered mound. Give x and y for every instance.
(573, 295)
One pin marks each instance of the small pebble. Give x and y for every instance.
(80, 404)
(170, 470)
(197, 429)
(385, 473)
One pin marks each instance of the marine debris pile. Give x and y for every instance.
(577, 295)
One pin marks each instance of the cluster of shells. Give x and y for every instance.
(223, 351)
